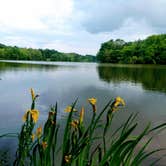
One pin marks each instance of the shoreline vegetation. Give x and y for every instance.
(82, 144)
(151, 50)
(17, 53)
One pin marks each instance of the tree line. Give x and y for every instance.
(16, 53)
(151, 50)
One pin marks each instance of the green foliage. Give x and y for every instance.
(82, 144)
(15, 53)
(149, 51)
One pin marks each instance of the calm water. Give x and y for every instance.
(142, 87)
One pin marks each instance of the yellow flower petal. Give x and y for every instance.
(74, 124)
(35, 115)
(69, 109)
(92, 101)
(116, 104)
(82, 114)
(24, 118)
(39, 131)
(119, 101)
(44, 145)
(33, 137)
(32, 94)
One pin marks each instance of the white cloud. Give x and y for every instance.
(76, 25)
(20, 41)
(29, 14)
(132, 30)
(86, 43)
(110, 15)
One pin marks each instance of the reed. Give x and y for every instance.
(80, 145)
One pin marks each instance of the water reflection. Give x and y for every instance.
(12, 66)
(150, 77)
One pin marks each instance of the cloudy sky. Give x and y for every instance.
(78, 25)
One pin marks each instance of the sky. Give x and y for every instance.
(78, 25)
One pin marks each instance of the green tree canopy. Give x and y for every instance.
(152, 50)
(16, 53)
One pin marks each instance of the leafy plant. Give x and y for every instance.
(92, 144)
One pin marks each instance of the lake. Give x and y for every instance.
(143, 87)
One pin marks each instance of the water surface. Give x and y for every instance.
(142, 86)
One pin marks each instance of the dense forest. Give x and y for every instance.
(152, 50)
(16, 53)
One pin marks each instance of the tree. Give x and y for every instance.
(149, 51)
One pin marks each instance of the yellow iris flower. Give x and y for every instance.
(119, 101)
(34, 114)
(92, 101)
(69, 109)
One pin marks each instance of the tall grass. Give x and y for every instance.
(92, 144)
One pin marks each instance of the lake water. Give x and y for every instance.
(143, 87)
